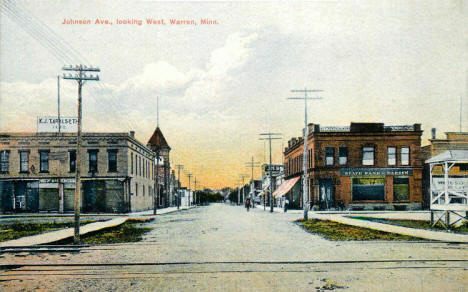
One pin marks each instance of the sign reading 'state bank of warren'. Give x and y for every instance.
(51, 124)
(376, 172)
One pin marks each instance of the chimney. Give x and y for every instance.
(132, 134)
(433, 132)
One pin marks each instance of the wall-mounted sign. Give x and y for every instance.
(51, 124)
(375, 172)
(458, 184)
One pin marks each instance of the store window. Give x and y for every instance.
(368, 189)
(401, 188)
(405, 155)
(112, 160)
(329, 155)
(4, 161)
(44, 160)
(24, 161)
(368, 156)
(343, 155)
(391, 155)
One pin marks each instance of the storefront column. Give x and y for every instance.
(61, 199)
(389, 189)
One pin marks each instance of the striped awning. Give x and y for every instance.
(285, 187)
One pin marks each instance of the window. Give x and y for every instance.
(405, 155)
(343, 155)
(112, 163)
(400, 188)
(72, 154)
(463, 167)
(24, 161)
(391, 156)
(139, 165)
(44, 160)
(4, 161)
(368, 156)
(143, 190)
(329, 155)
(93, 161)
(136, 189)
(131, 163)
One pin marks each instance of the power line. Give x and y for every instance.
(80, 77)
(305, 188)
(270, 136)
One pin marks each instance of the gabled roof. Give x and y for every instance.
(450, 156)
(157, 139)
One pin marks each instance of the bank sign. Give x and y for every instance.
(51, 124)
(375, 172)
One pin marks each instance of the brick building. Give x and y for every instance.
(37, 172)
(363, 166)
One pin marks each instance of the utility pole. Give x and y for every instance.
(156, 194)
(195, 191)
(59, 183)
(81, 77)
(190, 191)
(252, 164)
(179, 167)
(243, 176)
(270, 136)
(305, 188)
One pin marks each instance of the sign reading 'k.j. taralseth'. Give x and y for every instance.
(51, 124)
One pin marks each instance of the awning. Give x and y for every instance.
(460, 156)
(285, 187)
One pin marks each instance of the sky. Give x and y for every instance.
(220, 85)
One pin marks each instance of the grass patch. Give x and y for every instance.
(130, 231)
(19, 229)
(419, 224)
(338, 231)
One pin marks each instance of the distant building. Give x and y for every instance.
(363, 166)
(37, 172)
(453, 141)
(158, 144)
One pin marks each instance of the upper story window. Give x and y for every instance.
(405, 155)
(4, 160)
(131, 163)
(368, 155)
(343, 155)
(112, 160)
(44, 160)
(72, 154)
(24, 160)
(93, 160)
(329, 155)
(391, 155)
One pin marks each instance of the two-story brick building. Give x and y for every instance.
(37, 172)
(363, 166)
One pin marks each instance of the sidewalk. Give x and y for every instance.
(345, 217)
(57, 235)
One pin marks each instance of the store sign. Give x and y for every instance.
(56, 180)
(51, 124)
(276, 169)
(458, 184)
(375, 172)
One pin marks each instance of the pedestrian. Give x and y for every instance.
(247, 204)
(286, 203)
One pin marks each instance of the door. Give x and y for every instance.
(326, 193)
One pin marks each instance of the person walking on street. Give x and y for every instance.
(286, 203)
(247, 204)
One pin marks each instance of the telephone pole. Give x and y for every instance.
(270, 136)
(305, 188)
(179, 167)
(243, 176)
(81, 77)
(252, 164)
(195, 191)
(190, 191)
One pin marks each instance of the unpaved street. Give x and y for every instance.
(223, 247)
